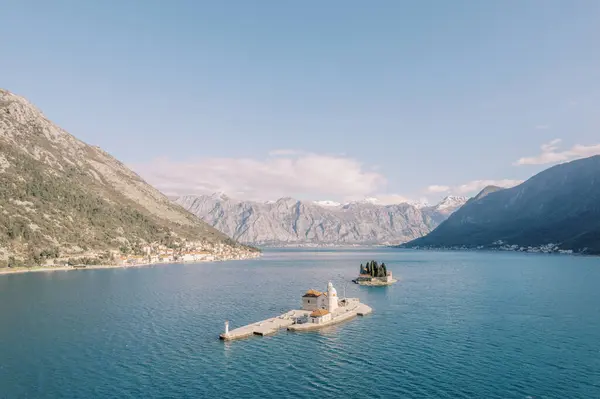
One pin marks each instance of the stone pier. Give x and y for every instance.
(287, 320)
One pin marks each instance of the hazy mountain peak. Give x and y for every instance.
(77, 195)
(220, 195)
(419, 204)
(327, 203)
(488, 190)
(451, 202)
(558, 206)
(289, 221)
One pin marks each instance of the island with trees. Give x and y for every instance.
(374, 274)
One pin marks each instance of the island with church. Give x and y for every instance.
(319, 309)
(374, 274)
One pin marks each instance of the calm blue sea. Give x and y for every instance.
(457, 325)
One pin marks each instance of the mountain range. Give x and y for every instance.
(60, 197)
(558, 206)
(288, 221)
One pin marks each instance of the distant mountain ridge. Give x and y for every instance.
(560, 206)
(61, 197)
(288, 221)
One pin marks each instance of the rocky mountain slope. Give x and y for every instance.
(60, 197)
(291, 222)
(560, 206)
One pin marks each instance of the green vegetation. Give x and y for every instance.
(557, 206)
(373, 269)
(62, 201)
(42, 212)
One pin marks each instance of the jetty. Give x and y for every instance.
(264, 327)
(319, 310)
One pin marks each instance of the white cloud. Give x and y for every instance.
(542, 127)
(284, 173)
(475, 186)
(472, 187)
(284, 152)
(551, 153)
(438, 189)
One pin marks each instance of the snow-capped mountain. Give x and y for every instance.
(326, 203)
(419, 204)
(288, 221)
(450, 204)
(372, 201)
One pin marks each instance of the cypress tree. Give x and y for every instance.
(384, 269)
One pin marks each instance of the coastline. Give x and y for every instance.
(496, 250)
(36, 269)
(19, 270)
(377, 283)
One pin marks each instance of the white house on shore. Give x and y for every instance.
(320, 316)
(197, 256)
(322, 304)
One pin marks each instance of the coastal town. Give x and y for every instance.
(189, 252)
(185, 252)
(500, 245)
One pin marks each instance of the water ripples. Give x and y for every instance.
(456, 326)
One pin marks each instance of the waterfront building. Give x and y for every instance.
(320, 316)
(315, 300)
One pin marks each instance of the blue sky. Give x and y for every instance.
(333, 100)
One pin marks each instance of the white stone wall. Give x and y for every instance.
(322, 302)
(321, 319)
(309, 303)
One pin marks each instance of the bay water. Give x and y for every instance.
(456, 325)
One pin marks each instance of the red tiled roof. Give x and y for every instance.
(312, 294)
(319, 313)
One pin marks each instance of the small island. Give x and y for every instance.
(319, 310)
(374, 274)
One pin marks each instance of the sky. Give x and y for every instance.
(336, 100)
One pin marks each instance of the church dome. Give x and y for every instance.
(331, 290)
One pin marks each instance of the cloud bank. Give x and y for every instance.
(305, 175)
(473, 187)
(283, 173)
(438, 189)
(551, 153)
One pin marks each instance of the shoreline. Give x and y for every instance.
(37, 269)
(496, 250)
(376, 283)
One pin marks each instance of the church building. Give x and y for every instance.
(322, 304)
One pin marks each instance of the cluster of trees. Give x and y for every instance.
(44, 209)
(373, 269)
(64, 209)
